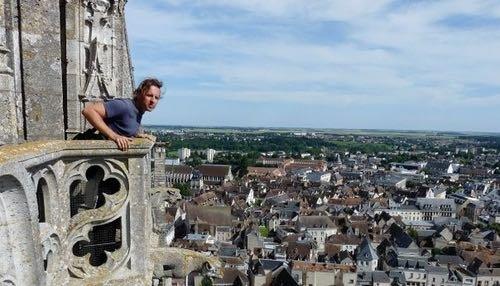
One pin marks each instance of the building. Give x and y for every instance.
(315, 165)
(319, 228)
(175, 174)
(210, 155)
(319, 177)
(215, 174)
(159, 165)
(72, 212)
(175, 161)
(366, 257)
(375, 278)
(345, 242)
(265, 172)
(436, 208)
(408, 213)
(323, 274)
(184, 153)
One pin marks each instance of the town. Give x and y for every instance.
(315, 207)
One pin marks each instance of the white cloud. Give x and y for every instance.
(385, 52)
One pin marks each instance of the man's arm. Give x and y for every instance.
(95, 114)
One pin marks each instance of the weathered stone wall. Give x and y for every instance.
(52, 211)
(41, 69)
(98, 63)
(54, 57)
(11, 121)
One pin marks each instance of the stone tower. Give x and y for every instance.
(71, 212)
(54, 57)
(159, 153)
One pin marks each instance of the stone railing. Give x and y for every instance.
(74, 213)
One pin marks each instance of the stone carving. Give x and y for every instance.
(16, 234)
(104, 185)
(4, 52)
(98, 45)
(51, 246)
(183, 261)
(162, 197)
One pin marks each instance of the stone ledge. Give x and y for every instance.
(58, 148)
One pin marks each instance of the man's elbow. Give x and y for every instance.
(86, 112)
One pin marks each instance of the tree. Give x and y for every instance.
(194, 161)
(436, 251)
(184, 189)
(264, 232)
(496, 227)
(413, 233)
(206, 281)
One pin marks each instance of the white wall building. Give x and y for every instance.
(184, 153)
(210, 155)
(319, 228)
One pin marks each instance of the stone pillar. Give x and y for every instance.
(41, 62)
(159, 175)
(8, 109)
(18, 264)
(140, 212)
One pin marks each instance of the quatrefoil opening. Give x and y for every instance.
(89, 194)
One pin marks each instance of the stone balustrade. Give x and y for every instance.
(75, 213)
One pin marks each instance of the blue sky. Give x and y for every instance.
(420, 64)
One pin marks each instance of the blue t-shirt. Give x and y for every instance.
(122, 116)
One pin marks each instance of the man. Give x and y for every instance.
(119, 119)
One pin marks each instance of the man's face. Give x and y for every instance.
(148, 100)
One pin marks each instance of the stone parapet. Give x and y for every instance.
(75, 213)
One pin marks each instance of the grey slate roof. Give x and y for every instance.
(366, 252)
(380, 277)
(316, 222)
(449, 259)
(373, 277)
(436, 205)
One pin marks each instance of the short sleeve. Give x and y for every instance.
(114, 108)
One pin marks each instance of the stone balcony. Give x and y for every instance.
(75, 213)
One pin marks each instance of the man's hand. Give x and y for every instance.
(147, 136)
(122, 142)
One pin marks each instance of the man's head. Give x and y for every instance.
(147, 94)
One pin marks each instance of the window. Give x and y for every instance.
(90, 194)
(42, 191)
(102, 238)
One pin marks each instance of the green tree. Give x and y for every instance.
(436, 251)
(206, 281)
(496, 227)
(413, 233)
(264, 232)
(184, 189)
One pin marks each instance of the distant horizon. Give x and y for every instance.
(295, 128)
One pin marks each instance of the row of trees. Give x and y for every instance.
(271, 142)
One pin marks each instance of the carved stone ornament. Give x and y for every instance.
(98, 48)
(110, 212)
(4, 68)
